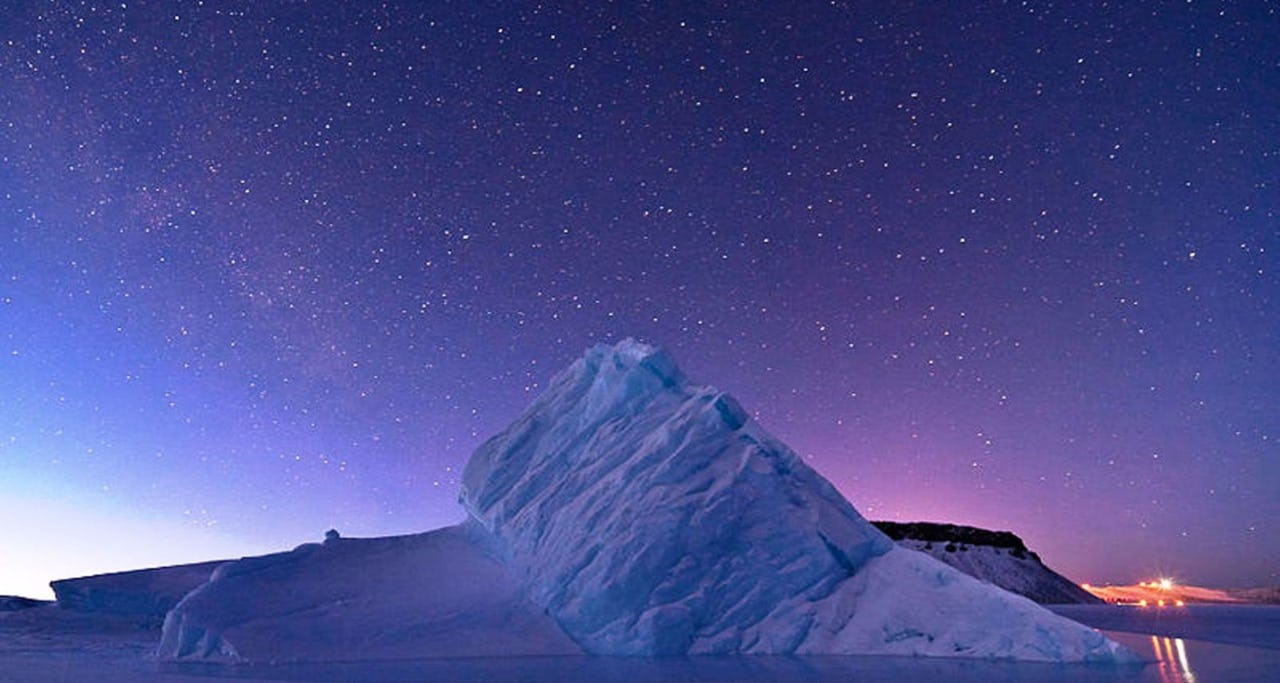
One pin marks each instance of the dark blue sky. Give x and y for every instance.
(268, 268)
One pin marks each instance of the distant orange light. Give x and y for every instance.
(1142, 603)
(1180, 603)
(1166, 584)
(1160, 603)
(1085, 586)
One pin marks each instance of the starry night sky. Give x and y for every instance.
(270, 268)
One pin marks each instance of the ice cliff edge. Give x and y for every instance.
(626, 512)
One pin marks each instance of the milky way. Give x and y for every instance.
(267, 269)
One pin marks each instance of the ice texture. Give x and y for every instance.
(653, 517)
(436, 594)
(145, 592)
(650, 516)
(626, 512)
(13, 603)
(907, 603)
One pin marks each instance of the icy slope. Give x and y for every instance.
(145, 592)
(13, 603)
(997, 557)
(428, 595)
(907, 603)
(625, 513)
(649, 516)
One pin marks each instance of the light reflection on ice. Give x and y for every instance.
(1182, 659)
(48, 645)
(1171, 660)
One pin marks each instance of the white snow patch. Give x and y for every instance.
(907, 603)
(650, 517)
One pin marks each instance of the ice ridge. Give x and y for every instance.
(653, 517)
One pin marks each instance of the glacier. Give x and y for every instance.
(626, 512)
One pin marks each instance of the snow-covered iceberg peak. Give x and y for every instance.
(649, 516)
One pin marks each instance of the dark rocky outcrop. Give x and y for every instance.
(997, 557)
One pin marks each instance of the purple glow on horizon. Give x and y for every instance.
(268, 272)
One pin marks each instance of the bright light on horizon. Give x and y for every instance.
(45, 540)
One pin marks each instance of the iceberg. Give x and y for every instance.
(651, 516)
(436, 594)
(626, 512)
(143, 593)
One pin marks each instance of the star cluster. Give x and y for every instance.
(267, 268)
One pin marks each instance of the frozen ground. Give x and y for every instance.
(49, 645)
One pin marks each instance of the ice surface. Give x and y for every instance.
(907, 603)
(145, 592)
(626, 512)
(428, 595)
(10, 603)
(649, 516)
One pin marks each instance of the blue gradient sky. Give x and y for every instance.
(267, 269)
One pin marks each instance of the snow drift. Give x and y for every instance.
(626, 512)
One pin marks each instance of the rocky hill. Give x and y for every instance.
(997, 557)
